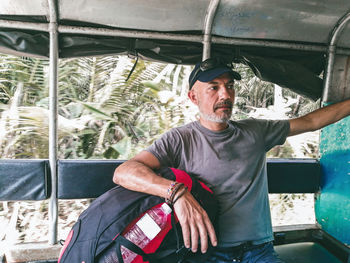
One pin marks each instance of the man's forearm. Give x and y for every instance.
(320, 118)
(332, 113)
(136, 176)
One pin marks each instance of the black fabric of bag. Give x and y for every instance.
(98, 228)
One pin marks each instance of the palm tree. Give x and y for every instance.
(101, 115)
(128, 114)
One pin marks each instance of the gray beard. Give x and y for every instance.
(214, 118)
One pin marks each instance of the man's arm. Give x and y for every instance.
(319, 118)
(137, 175)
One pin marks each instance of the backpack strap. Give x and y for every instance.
(122, 241)
(181, 251)
(173, 225)
(119, 253)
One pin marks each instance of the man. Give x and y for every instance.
(230, 157)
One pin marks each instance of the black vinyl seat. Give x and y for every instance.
(77, 179)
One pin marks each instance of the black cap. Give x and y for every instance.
(206, 71)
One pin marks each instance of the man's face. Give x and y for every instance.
(215, 98)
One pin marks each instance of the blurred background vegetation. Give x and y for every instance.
(103, 116)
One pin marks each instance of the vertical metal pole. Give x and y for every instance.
(209, 18)
(53, 94)
(334, 37)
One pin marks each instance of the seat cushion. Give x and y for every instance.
(305, 252)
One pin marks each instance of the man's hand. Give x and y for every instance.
(194, 222)
(137, 175)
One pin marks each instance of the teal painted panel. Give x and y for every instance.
(333, 203)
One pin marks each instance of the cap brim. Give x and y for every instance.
(209, 75)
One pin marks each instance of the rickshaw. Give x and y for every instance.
(303, 46)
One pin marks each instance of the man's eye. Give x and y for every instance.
(213, 88)
(231, 86)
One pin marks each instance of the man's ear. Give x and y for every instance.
(193, 96)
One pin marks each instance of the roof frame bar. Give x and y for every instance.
(169, 36)
(53, 99)
(208, 25)
(332, 51)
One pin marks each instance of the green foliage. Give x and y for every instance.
(252, 92)
(103, 116)
(100, 114)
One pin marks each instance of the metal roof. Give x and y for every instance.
(282, 20)
(278, 39)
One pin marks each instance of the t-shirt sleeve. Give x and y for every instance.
(275, 132)
(167, 149)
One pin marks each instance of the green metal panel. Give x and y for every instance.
(333, 204)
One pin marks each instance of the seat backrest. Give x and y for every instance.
(293, 175)
(77, 179)
(24, 180)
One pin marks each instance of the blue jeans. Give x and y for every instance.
(260, 254)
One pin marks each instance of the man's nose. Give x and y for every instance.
(225, 93)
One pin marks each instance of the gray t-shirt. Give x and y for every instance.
(233, 163)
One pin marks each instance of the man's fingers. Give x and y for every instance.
(195, 223)
(194, 237)
(186, 234)
(203, 233)
(211, 232)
